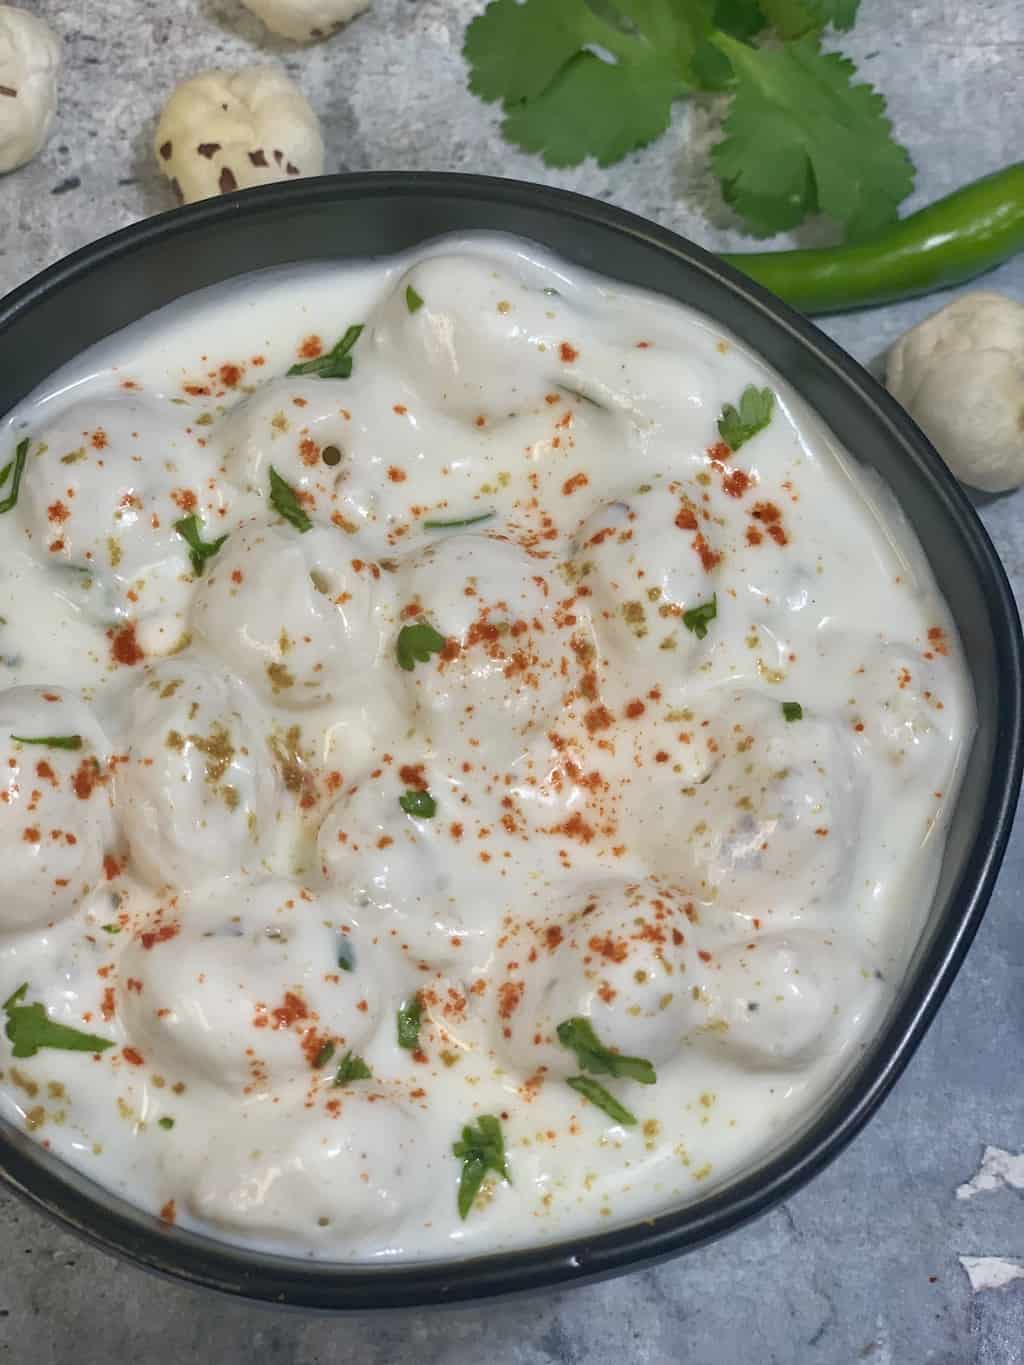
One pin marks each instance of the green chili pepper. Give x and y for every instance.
(947, 243)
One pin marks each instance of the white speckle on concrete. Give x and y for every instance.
(999, 1170)
(991, 1272)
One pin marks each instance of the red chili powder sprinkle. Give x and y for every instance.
(161, 935)
(736, 483)
(125, 648)
(510, 993)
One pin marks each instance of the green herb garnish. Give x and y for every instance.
(803, 134)
(598, 1095)
(335, 363)
(199, 550)
(481, 1149)
(346, 956)
(352, 1069)
(285, 502)
(324, 1055)
(51, 741)
(459, 521)
(29, 1028)
(578, 1035)
(111, 928)
(420, 804)
(737, 426)
(17, 465)
(697, 618)
(792, 710)
(409, 1016)
(412, 300)
(166, 1122)
(416, 644)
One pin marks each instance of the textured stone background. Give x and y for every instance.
(863, 1264)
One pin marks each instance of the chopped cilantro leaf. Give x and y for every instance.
(737, 426)
(51, 741)
(481, 1149)
(416, 644)
(412, 300)
(802, 138)
(324, 1055)
(346, 956)
(111, 928)
(17, 465)
(285, 502)
(459, 521)
(29, 1028)
(598, 1095)
(199, 550)
(419, 804)
(166, 1122)
(697, 618)
(409, 1016)
(352, 1069)
(335, 363)
(792, 710)
(578, 1035)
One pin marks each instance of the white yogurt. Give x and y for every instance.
(659, 749)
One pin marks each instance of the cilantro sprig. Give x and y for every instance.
(599, 78)
(199, 550)
(285, 502)
(324, 1055)
(409, 1018)
(481, 1149)
(432, 525)
(419, 804)
(578, 1035)
(335, 363)
(13, 470)
(416, 644)
(51, 741)
(604, 1099)
(30, 1028)
(737, 426)
(698, 618)
(352, 1068)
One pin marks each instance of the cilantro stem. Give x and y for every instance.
(20, 456)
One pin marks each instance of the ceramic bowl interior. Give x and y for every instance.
(122, 278)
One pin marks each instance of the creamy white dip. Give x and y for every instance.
(361, 830)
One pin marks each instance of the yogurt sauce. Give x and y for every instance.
(609, 812)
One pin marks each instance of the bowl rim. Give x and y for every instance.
(118, 1228)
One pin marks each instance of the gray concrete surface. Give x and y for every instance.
(862, 1265)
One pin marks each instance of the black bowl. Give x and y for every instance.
(120, 279)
